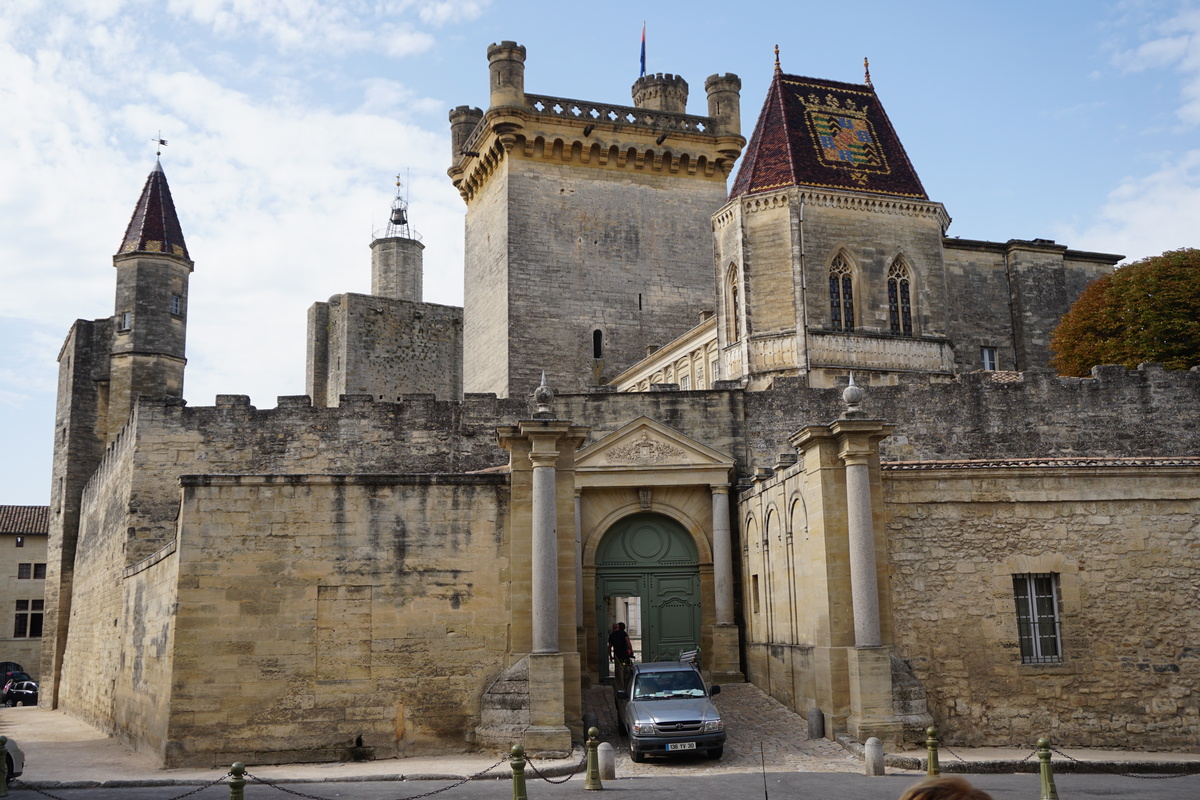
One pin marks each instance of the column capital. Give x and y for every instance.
(719, 488)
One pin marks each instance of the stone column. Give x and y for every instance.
(722, 555)
(863, 586)
(578, 561)
(545, 546)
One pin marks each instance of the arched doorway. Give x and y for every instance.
(647, 567)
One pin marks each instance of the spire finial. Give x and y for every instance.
(161, 143)
(542, 396)
(777, 58)
(867, 70)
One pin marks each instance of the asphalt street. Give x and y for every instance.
(794, 786)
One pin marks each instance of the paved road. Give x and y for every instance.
(700, 786)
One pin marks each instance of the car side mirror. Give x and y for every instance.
(714, 691)
(622, 694)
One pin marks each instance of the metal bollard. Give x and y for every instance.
(931, 744)
(1049, 791)
(518, 767)
(4, 767)
(593, 761)
(237, 784)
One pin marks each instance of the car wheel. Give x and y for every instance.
(717, 753)
(635, 755)
(10, 703)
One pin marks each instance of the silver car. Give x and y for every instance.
(664, 709)
(14, 759)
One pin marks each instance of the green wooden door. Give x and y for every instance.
(651, 558)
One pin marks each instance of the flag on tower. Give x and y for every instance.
(643, 51)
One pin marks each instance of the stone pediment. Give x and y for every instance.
(645, 445)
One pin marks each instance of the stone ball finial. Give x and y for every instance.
(852, 395)
(542, 396)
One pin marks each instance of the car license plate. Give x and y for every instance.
(682, 746)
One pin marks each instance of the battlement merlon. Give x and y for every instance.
(646, 136)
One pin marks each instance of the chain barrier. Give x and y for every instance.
(448, 787)
(18, 784)
(572, 774)
(1127, 774)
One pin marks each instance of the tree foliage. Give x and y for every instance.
(1147, 311)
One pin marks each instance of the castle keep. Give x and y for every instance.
(791, 424)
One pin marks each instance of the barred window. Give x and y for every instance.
(1038, 624)
(900, 298)
(841, 295)
(24, 571)
(39, 572)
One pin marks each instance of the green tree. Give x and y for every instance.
(1145, 311)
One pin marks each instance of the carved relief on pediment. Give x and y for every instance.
(645, 449)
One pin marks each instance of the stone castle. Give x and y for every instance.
(791, 424)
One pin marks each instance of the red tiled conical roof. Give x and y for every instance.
(154, 227)
(826, 134)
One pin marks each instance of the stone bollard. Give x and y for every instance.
(592, 781)
(1049, 791)
(4, 771)
(237, 784)
(816, 723)
(931, 744)
(518, 767)
(607, 757)
(874, 757)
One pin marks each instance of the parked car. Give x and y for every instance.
(10, 681)
(10, 666)
(14, 760)
(664, 709)
(20, 693)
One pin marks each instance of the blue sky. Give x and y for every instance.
(1074, 120)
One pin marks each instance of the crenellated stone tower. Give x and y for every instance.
(389, 343)
(587, 232)
(103, 367)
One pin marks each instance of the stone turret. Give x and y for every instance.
(397, 264)
(661, 92)
(463, 121)
(150, 315)
(725, 103)
(506, 63)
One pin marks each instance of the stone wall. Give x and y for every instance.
(383, 347)
(1122, 541)
(1116, 412)
(387, 615)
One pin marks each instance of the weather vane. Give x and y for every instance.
(161, 143)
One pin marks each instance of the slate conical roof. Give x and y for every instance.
(154, 227)
(825, 134)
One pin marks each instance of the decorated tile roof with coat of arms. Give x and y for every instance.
(826, 134)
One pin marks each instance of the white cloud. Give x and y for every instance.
(1176, 46)
(1147, 215)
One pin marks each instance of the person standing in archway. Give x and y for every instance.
(620, 651)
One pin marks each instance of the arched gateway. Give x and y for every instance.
(648, 576)
(653, 521)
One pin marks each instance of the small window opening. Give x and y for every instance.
(597, 344)
(990, 362)
(841, 295)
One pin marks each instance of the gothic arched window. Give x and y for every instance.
(841, 295)
(732, 307)
(899, 283)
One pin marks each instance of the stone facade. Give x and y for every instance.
(420, 554)
(23, 531)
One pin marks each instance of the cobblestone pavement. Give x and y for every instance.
(761, 731)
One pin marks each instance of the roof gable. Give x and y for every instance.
(644, 444)
(826, 134)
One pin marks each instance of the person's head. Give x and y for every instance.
(620, 626)
(615, 624)
(947, 788)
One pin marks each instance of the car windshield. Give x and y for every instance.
(657, 686)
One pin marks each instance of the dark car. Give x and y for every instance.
(10, 680)
(21, 693)
(664, 709)
(10, 666)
